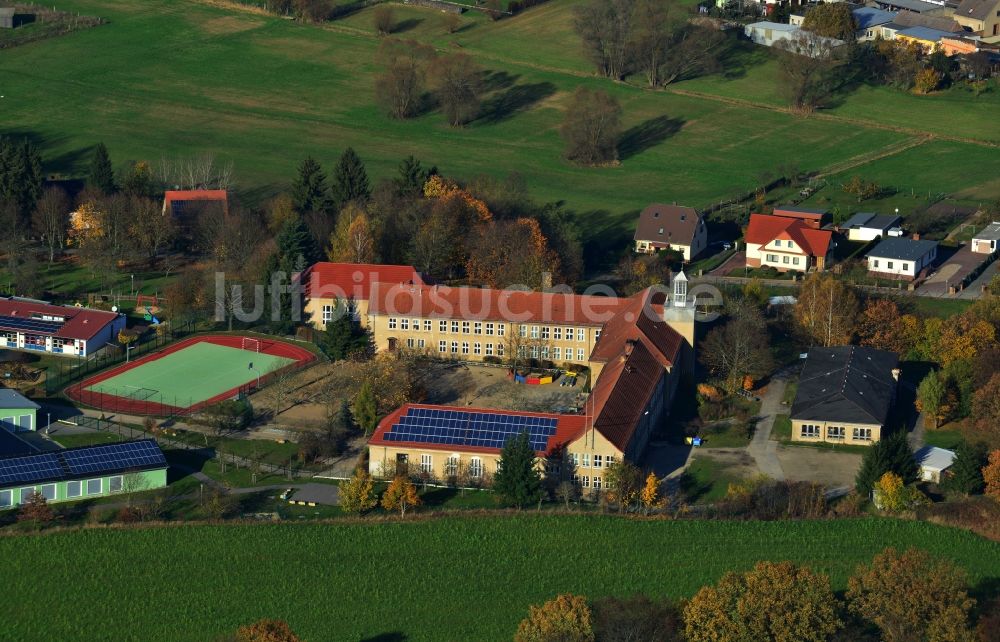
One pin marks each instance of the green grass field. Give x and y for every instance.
(178, 77)
(190, 375)
(443, 579)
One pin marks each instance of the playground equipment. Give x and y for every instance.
(150, 305)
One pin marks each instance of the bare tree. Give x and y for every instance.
(592, 127)
(401, 86)
(808, 70)
(384, 19)
(606, 29)
(738, 349)
(457, 80)
(196, 172)
(51, 218)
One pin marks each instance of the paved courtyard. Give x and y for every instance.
(951, 272)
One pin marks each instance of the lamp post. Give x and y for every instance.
(250, 367)
(128, 351)
(133, 284)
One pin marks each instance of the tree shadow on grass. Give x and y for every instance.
(516, 99)
(406, 25)
(392, 636)
(647, 134)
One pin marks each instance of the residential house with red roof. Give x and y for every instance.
(324, 284)
(174, 200)
(26, 324)
(642, 347)
(786, 244)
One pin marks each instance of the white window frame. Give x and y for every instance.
(557, 353)
(580, 355)
(442, 346)
(534, 331)
(70, 487)
(6, 498)
(500, 349)
(51, 491)
(392, 323)
(477, 327)
(489, 329)
(454, 347)
(442, 326)
(557, 333)
(598, 461)
(501, 329)
(489, 349)
(465, 327)
(111, 484)
(451, 465)
(465, 347)
(454, 327)
(477, 348)
(326, 314)
(475, 468)
(410, 342)
(26, 493)
(426, 463)
(427, 325)
(831, 430)
(545, 332)
(586, 460)
(861, 434)
(581, 334)
(100, 486)
(809, 431)
(404, 324)
(597, 483)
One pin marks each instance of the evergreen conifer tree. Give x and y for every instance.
(889, 454)
(966, 473)
(518, 481)
(101, 176)
(309, 190)
(350, 180)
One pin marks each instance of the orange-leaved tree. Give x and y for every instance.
(991, 475)
(266, 631)
(912, 596)
(566, 618)
(650, 495)
(400, 495)
(777, 601)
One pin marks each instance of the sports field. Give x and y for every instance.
(174, 78)
(187, 375)
(454, 578)
(198, 372)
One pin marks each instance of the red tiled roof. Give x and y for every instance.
(516, 306)
(81, 323)
(182, 195)
(568, 427)
(354, 280)
(638, 347)
(764, 228)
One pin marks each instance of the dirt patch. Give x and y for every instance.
(489, 387)
(736, 461)
(227, 25)
(828, 467)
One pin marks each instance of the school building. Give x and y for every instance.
(26, 324)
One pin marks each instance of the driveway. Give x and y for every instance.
(737, 260)
(762, 448)
(951, 272)
(825, 466)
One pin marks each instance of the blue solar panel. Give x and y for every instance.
(30, 325)
(33, 468)
(478, 429)
(118, 457)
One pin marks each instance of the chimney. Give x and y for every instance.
(895, 374)
(629, 346)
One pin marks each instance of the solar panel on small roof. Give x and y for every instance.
(123, 456)
(19, 470)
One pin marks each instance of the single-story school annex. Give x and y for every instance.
(27, 324)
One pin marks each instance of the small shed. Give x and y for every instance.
(17, 412)
(987, 241)
(6, 17)
(933, 461)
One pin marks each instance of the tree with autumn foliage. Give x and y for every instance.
(35, 511)
(894, 496)
(357, 494)
(566, 618)
(507, 253)
(624, 483)
(912, 596)
(932, 399)
(354, 240)
(442, 189)
(650, 495)
(266, 631)
(777, 601)
(880, 326)
(826, 310)
(591, 127)
(986, 411)
(400, 495)
(991, 475)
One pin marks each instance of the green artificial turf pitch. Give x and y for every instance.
(195, 373)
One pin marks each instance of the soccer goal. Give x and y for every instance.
(253, 345)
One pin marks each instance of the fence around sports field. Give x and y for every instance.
(159, 405)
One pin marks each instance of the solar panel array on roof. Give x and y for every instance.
(28, 469)
(30, 325)
(475, 429)
(123, 456)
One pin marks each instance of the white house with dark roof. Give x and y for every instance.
(900, 258)
(845, 395)
(987, 240)
(867, 226)
(933, 461)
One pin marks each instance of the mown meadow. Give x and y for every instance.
(448, 578)
(176, 78)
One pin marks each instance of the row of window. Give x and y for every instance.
(584, 460)
(450, 465)
(555, 333)
(835, 432)
(773, 258)
(463, 348)
(777, 243)
(555, 353)
(74, 489)
(487, 328)
(585, 481)
(889, 265)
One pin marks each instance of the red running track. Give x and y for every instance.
(124, 405)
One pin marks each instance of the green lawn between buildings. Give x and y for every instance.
(455, 578)
(172, 78)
